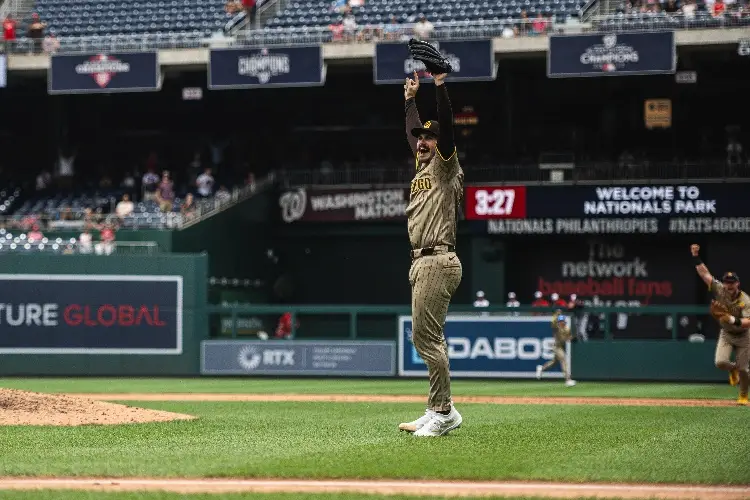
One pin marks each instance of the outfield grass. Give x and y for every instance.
(348, 386)
(88, 495)
(358, 440)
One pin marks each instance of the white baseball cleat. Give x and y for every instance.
(440, 425)
(418, 423)
(570, 383)
(539, 372)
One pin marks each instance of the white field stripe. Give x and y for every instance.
(442, 488)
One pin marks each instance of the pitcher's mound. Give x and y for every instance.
(33, 408)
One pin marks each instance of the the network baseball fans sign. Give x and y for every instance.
(103, 73)
(626, 209)
(90, 314)
(343, 205)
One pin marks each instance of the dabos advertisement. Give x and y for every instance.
(487, 346)
(90, 314)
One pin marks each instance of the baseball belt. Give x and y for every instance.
(421, 252)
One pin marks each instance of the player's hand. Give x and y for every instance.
(411, 86)
(439, 79)
(694, 249)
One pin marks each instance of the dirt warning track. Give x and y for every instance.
(387, 487)
(385, 398)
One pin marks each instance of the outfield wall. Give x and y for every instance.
(102, 315)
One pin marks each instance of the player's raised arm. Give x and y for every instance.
(446, 145)
(700, 267)
(411, 86)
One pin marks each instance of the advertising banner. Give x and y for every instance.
(274, 67)
(3, 71)
(104, 73)
(614, 272)
(627, 209)
(472, 60)
(343, 205)
(90, 314)
(343, 357)
(487, 346)
(611, 54)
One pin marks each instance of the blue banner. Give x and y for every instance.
(90, 314)
(292, 357)
(472, 60)
(611, 54)
(487, 346)
(103, 73)
(275, 67)
(3, 70)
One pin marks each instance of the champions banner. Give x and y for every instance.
(90, 314)
(471, 61)
(104, 73)
(627, 209)
(343, 205)
(487, 346)
(274, 67)
(611, 54)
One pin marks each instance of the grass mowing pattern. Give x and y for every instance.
(359, 441)
(88, 495)
(344, 386)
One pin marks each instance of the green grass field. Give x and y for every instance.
(696, 445)
(348, 386)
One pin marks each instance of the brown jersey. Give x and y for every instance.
(435, 194)
(739, 306)
(561, 331)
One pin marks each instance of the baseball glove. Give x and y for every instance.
(430, 57)
(719, 312)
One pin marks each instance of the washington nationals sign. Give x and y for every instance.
(104, 73)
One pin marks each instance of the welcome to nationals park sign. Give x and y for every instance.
(687, 208)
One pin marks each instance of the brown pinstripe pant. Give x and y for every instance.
(434, 279)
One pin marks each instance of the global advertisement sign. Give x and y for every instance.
(610, 272)
(611, 54)
(292, 357)
(266, 67)
(487, 346)
(90, 314)
(627, 209)
(343, 205)
(471, 60)
(104, 73)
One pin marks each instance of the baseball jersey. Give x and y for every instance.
(739, 307)
(435, 193)
(561, 331)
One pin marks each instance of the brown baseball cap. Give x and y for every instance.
(429, 127)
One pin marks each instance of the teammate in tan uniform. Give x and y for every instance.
(735, 334)
(561, 331)
(436, 192)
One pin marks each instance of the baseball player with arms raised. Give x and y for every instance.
(435, 273)
(562, 334)
(731, 308)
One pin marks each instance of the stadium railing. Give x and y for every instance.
(595, 173)
(608, 315)
(666, 21)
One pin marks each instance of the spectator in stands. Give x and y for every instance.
(223, 194)
(106, 244)
(232, 7)
(35, 235)
(250, 180)
(85, 242)
(524, 25)
(250, 7)
(350, 27)
(43, 180)
(509, 32)
(66, 168)
(688, 9)
(51, 44)
(165, 193)
(719, 8)
(671, 7)
(337, 31)
(423, 28)
(36, 32)
(539, 25)
(188, 207)
(391, 29)
(150, 182)
(284, 327)
(125, 207)
(9, 29)
(205, 184)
